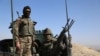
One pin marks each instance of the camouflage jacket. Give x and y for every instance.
(23, 27)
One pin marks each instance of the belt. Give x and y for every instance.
(24, 35)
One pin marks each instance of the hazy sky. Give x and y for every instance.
(52, 14)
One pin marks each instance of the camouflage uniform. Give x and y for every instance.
(52, 46)
(24, 34)
(48, 44)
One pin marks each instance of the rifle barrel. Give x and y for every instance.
(71, 23)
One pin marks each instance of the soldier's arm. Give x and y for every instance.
(16, 33)
(16, 29)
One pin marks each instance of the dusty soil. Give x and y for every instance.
(80, 50)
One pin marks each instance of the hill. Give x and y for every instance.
(80, 50)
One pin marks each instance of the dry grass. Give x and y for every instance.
(79, 50)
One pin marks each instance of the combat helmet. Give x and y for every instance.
(47, 31)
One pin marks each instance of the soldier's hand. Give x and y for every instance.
(17, 45)
(65, 29)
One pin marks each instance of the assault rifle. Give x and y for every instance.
(62, 40)
(65, 29)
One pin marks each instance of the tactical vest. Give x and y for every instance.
(47, 49)
(26, 27)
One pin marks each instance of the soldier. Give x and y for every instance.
(52, 46)
(24, 33)
(48, 44)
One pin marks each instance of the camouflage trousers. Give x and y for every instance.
(25, 46)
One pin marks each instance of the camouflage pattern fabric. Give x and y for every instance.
(47, 48)
(25, 48)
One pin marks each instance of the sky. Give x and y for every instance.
(52, 14)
